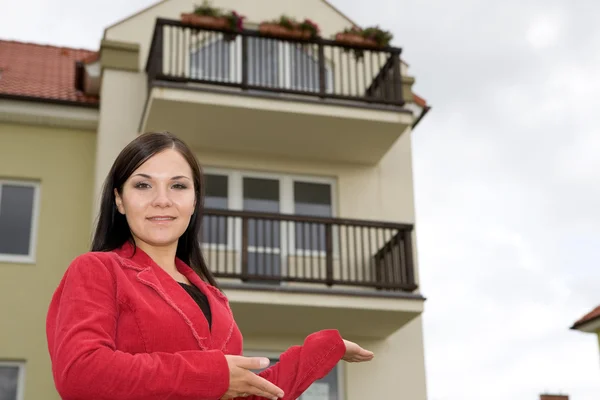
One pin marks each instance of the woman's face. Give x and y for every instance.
(158, 199)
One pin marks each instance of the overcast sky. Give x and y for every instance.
(507, 175)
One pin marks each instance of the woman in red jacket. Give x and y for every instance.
(141, 316)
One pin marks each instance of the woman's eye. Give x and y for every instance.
(141, 185)
(179, 186)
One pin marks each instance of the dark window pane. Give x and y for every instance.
(214, 229)
(216, 191)
(262, 195)
(9, 382)
(16, 214)
(311, 199)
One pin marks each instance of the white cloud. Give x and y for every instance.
(544, 31)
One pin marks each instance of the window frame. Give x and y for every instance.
(235, 202)
(20, 377)
(275, 355)
(30, 258)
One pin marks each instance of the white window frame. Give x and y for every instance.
(21, 377)
(235, 201)
(31, 256)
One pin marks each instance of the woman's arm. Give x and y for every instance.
(81, 327)
(300, 366)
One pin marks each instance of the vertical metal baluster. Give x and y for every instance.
(372, 265)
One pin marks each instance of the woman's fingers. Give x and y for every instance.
(355, 353)
(262, 387)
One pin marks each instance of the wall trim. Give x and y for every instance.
(48, 114)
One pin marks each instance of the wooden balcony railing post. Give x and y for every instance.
(397, 79)
(322, 71)
(329, 254)
(244, 249)
(158, 50)
(408, 251)
(244, 62)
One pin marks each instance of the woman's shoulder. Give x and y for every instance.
(93, 264)
(105, 258)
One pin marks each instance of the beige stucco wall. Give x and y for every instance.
(139, 28)
(398, 363)
(123, 98)
(62, 161)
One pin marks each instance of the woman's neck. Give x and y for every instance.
(163, 256)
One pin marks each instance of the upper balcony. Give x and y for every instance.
(317, 269)
(251, 93)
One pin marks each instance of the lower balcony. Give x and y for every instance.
(315, 99)
(290, 274)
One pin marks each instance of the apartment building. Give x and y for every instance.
(305, 141)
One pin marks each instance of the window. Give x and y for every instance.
(18, 220)
(312, 199)
(269, 242)
(271, 63)
(11, 380)
(264, 255)
(327, 388)
(215, 228)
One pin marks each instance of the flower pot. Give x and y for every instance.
(354, 39)
(205, 21)
(276, 30)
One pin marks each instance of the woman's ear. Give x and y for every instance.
(119, 202)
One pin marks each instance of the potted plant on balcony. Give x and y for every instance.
(207, 16)
(371, 37)
(289, 28)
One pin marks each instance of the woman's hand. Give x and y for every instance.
(355, 353)
(243, 382)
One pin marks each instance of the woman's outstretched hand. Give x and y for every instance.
(355, 353)
(243, 382)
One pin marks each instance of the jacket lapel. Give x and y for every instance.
(222, 318)
(153, 276)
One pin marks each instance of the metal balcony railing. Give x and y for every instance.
(252, 62)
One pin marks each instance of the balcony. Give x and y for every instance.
(315, 99)
(318, 270)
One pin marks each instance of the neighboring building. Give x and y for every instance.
(307, 154)
(589, 323)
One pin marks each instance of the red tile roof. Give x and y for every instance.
(419, 100)
(589, 317)
(41, 72)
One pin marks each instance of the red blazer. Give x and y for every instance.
(120, 327)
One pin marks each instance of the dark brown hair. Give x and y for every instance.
(112, 230)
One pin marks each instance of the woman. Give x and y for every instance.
(141, 317)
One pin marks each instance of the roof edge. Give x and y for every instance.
(590, 326)
(143, 10)
(33, 99)
(337, 10)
